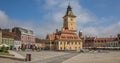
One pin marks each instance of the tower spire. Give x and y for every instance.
(69, 3)
(69, 7)
(69, 11)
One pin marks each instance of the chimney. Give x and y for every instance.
(56, 30)
(80, 34)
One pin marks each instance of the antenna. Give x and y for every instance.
(68, 2)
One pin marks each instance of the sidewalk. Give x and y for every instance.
(112, 57)
(16, 54)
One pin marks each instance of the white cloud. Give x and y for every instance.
(90, 31)
(83, 16)
(3, 18)
(6, 22)
(57, 9)
(111, 30)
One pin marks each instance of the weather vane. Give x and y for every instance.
(68, 2)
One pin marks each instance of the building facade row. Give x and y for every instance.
(40, 43)
(26, 36)
(17, 38)
(11, 40)
(93, 42)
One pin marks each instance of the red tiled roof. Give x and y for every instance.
(90, 38)
(10, 35)
(52, 36)
(64, 35)
(68, 37)
(65, 32)
(68, 32)
(105, 39)
(37, 40)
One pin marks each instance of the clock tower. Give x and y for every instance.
(69, 20)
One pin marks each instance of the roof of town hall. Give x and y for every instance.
(106, 39)
(64, 35)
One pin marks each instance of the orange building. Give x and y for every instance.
(88, 42)
(105, 42)
(66, 39)
(93, 42)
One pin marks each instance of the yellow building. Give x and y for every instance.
(66, 39)
(0, 37)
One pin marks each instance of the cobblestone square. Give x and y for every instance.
(68, 57)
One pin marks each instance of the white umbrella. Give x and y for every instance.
(4, 45)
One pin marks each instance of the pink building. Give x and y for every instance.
(27, 37)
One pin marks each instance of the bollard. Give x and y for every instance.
(28, 57)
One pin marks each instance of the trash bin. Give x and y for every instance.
(28, 57)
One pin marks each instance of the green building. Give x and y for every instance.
(8, 39)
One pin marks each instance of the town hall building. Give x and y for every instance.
(67, 38)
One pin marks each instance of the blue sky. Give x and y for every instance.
(94, 17)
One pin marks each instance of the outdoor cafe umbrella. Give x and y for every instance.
(4, 45)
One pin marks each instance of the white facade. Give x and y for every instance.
(17, 44)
